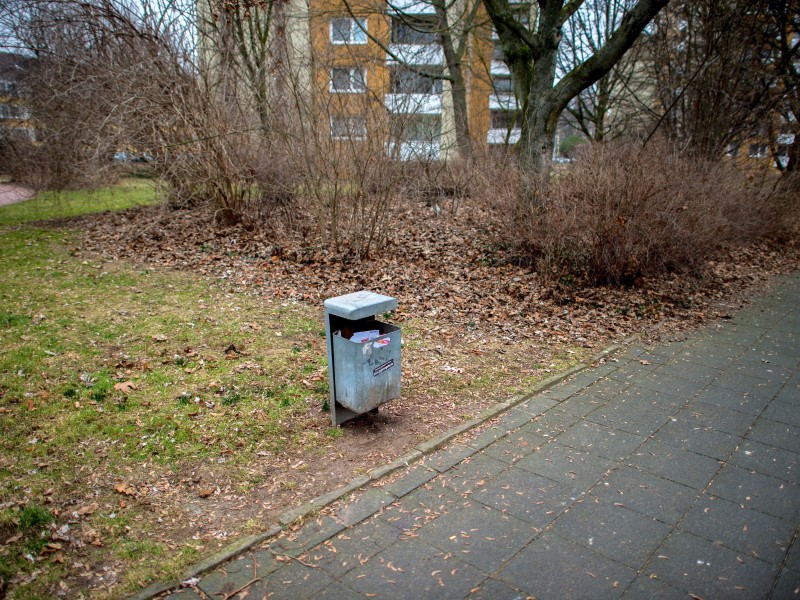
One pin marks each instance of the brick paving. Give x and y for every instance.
(671, 472)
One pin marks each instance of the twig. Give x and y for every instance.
(302, 562)
(255, 579)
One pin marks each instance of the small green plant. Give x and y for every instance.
(334, 432)
(34, 516)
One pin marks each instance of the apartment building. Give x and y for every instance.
(379, 70)
(15, 118)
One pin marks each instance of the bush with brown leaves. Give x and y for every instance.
(621, 212)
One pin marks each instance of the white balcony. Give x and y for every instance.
(414, 104)
(411, 7)
(786, 139)
(502, 102)
(498, 67)
(428, 150)
(503, 136)
(416, 54)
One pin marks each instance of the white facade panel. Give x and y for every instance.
(502, 102)
(416, 54)
(414, 150)
(414, 104)
(503, 136)
(411, 7)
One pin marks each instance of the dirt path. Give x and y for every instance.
(11, 194)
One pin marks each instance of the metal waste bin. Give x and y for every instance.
(363, 354)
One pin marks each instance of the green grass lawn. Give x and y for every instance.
(131, 192)
(111, 373)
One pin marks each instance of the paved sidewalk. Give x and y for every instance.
(11, 193)
(671, 473)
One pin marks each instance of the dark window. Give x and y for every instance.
(420, 29)
(406, 81)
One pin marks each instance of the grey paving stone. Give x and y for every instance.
(693, 372)
(516, 444)
(793, 556)
(566, 465)
(527, 496)
(492, 589)
(706, 347)
(537, 405)
(513, 419)
(645, 588)
(481, 536)
(354, 547)
(313, 531)
(473, 473)
(668, 378)
(698, 438)
(486, 437)
(788, 585)
(444, 458)
(741, 529)
(789, 395)
(718, 417)
(413, 569)
(236, 573)
(632, 418)
(293, 581)
(708, 359)
(755, 386)
(364, 505)
(777, 434)
(563, 390)
(660, 400)
(782, 412)
(742, 400)
(607, 388)
(410, 480)
(761, 370)
(581, 404)
(184, 595)
(647, 494)
(551, 424)
(598, 439)
(632, 372)
(614, 531)
(565, 570)
(421, 506)
(676, 464)
(710, 570)
(337, 591)
(767, 459)
(760, 492)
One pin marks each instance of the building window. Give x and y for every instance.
(733, 150)
(504, 119)
(417, 128)
(351, 127)
(416, 29)
(348, 80)
(757, 151)
(418, 81)
(14, 111)
(6, 86)
(503, 85)
(345, 30)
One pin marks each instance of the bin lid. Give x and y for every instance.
(359, 305)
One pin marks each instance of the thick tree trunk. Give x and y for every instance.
(458, 87)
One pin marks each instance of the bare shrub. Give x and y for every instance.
(622, 212)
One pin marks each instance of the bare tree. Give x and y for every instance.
(620, 102)
(725, 71)
(531, 54)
